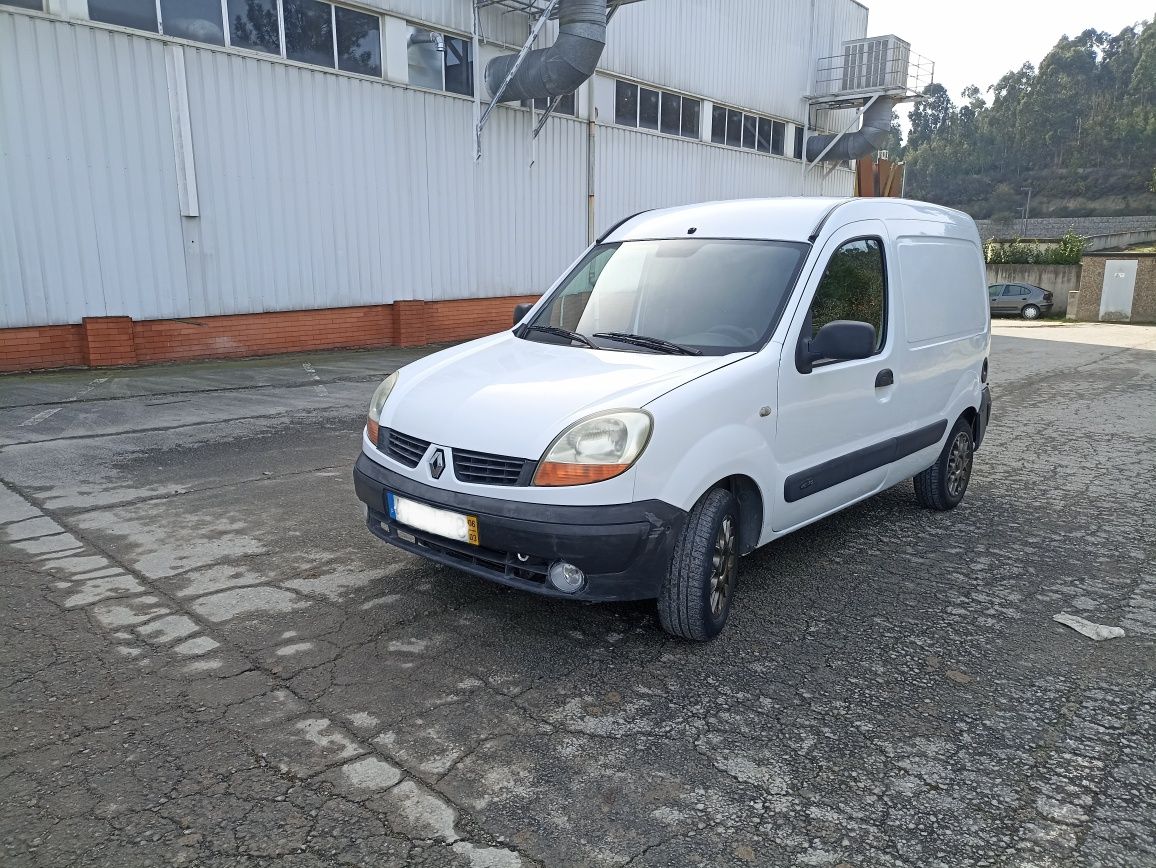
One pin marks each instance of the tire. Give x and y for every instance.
(695, 600)
(943, 485)
(1030, 311)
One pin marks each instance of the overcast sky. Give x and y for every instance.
(977, 41)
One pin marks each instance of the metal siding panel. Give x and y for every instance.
(316, 189)
(749, 53)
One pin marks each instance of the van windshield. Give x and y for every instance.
(705, 296)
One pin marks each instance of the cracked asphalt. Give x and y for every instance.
(207, 659)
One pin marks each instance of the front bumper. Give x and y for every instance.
(624, 549)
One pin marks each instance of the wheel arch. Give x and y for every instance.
(750, 505)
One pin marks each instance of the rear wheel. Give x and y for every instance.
(696, 595)
(942, 485)
(1030, 311)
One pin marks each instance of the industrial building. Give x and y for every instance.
(209, 178)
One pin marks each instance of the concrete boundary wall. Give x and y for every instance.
(1054, 227)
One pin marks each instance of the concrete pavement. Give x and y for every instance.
(208, 660)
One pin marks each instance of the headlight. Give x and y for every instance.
(595, 449)
(375, 405)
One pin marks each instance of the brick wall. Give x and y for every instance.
(1092, 286)
(110, 341)
(59, 346)
(1054, 227)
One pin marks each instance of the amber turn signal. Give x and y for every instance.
(557, 473)
(371, 431)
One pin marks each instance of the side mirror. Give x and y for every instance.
(520, 311)
(840, 340)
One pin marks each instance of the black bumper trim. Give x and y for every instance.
(624, 549)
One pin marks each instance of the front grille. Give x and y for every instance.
(402, 448)
(483, 469)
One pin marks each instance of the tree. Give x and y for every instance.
(931, 114)
(1079, 130)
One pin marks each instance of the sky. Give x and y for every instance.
(977, 41)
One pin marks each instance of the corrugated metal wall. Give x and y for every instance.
(316, 189)
(750, 54)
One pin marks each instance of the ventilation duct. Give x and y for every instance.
(869, 138)
(559, 69)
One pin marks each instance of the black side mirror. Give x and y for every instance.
(840, 340)
(520, 311)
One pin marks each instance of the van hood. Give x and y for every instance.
(509, 396)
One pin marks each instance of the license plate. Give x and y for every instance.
(441, 522)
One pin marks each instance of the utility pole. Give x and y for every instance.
(1027, 209)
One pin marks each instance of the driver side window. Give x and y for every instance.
(854, 287)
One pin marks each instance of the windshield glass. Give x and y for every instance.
(707, 295)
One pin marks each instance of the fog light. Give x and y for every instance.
(567, 578)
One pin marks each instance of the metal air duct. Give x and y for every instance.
(559, 69)
(869, 138)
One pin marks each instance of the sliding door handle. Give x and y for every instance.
(884, 378)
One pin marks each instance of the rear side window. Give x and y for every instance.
(1012, 289)
(854, 287)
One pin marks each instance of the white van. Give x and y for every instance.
(702, 381)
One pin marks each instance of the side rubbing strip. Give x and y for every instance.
(831, 473)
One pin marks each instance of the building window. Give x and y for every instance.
(459, 66)
(648, 108)
(24, 4)
(691, 111)
(138, 14)
(309, 32)
(753, 132)
(778, 137)
(567, 105)
(193, 19)
(440, 62)
(798, 143)
(651, 109)
(358, 41)
(626, 104)
(315, 32)
(253, 24)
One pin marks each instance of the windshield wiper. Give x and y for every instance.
(650, 343)
(564, 333)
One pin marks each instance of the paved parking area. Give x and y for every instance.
(206, 659)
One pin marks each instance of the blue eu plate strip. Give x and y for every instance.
(389, 505)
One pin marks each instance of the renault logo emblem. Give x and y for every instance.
(437, 464)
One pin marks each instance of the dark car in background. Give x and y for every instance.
(1021, 299)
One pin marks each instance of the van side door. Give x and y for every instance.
(832, 419)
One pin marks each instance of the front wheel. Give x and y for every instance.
(942, 485)
(696, 595)
(1030, 311)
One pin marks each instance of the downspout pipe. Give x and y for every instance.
(561, 68)
(868, 139)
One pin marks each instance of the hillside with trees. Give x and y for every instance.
(1080, 132)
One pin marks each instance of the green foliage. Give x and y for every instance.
(851, 288)
(1068, 251)
(1082, 126)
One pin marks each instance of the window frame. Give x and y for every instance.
(663, 94)
(881, 340)
(282, 52)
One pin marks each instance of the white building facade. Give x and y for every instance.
(162, 160)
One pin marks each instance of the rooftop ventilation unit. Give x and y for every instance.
(880, 62)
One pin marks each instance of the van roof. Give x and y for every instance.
(783, 219)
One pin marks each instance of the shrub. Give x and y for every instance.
(1069, 250)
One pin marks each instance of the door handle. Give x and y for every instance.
(884, 378)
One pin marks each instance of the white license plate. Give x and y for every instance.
(441, 522)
